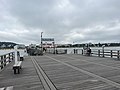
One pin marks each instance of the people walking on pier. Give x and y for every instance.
(89, 51)
(44, 49)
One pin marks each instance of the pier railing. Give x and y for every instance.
(6, 59)
(57, 51)
(99, 53)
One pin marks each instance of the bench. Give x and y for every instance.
(17, 67)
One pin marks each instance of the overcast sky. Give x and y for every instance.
(68, 21)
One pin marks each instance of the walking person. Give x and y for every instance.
(89, 51)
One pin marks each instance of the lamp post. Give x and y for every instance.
(41, 44)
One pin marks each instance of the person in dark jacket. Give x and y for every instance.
(89, 51)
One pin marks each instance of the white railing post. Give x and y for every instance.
(15, 50)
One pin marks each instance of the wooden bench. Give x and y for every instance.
(17, 67)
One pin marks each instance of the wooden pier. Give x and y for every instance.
(63, 72)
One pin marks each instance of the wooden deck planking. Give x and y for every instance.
(60, 80)
(67, 72)
(104, 67)
(26, 80)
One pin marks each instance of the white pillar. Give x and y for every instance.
(15, 50)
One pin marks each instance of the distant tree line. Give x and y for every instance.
(7, 45)
(90, 44)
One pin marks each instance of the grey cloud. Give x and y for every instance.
(56, 18)
(41, 12)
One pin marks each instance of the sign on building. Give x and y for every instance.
(47, 39)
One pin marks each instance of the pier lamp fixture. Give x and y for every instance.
(41, 44)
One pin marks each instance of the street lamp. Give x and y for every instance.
(41, 44)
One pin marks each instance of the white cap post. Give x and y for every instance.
(15, 50)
